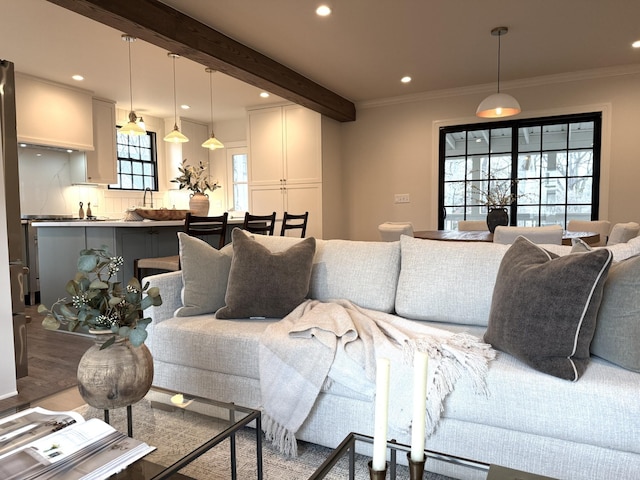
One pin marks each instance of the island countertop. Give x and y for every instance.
(120, 223)
(60, 242)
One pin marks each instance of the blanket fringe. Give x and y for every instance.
(281, 438)
(472, 356)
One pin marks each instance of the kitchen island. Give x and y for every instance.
(60, 242)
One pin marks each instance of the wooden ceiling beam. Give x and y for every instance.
(167, 28)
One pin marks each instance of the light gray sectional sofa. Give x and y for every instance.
(530, 421)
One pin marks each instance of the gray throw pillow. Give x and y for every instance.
(266, 284)
(617, 337)
(544, 307)
(205, 271)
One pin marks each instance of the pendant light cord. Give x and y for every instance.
(499, 38)
(211, 91)
(175, 100)
(129, 41)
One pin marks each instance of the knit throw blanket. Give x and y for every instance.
(320, 343)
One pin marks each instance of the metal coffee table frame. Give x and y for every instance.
(229, 432)
(348, 447)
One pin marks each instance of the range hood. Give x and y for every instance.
(53, 115)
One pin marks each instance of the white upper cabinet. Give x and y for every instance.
(265, 146)
(52, 114)
(102, 162)
(100, 165)
(303, 145)
(284, 146)
(285, 164)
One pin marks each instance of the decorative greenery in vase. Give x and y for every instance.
(194, 178)
(100, 303)
(499, 195)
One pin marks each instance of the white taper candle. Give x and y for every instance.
(420, 366)
(381, 414)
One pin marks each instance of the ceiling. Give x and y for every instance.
(360, 52)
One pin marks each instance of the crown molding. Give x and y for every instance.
(616, 71)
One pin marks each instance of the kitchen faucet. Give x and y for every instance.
(144, 198)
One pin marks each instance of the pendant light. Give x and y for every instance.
(499, 104)
(131, 128)
(212, 143)
(175, 136)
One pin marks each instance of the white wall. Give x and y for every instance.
(392, 146)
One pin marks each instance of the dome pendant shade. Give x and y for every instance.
(212, 143)
(498, 105)
(175, 136)
(133, 127)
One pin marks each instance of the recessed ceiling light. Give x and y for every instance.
(405, 79)
(323, 10)
(78, 78)
(184, 106)
(636, 44)
(264, 94)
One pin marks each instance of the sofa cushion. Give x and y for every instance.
(204, 276)
(266, 284)
(366, 273)
(617, 336)
(449, 282)
(544, 307)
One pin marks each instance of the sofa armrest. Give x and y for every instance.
(170, 285)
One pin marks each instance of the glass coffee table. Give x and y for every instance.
(347, 451)
(182, 428)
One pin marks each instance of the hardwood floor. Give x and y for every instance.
(53, 361)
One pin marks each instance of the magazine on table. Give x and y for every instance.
(42, 444)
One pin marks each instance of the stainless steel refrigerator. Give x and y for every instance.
(9, 145)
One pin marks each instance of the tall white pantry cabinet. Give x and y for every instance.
(285, 164)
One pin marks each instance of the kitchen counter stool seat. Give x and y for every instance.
(193, 225)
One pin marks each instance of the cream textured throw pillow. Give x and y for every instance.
(205, 271)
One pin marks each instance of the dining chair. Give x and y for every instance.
(623, 232)
(602, 227)
(196, 226)
(472, 225)
(291, 221)
(549, 234)
(391, 231)
(263, 224)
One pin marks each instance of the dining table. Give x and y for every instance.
(592, 238)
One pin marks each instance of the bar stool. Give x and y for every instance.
(193, 225)
(292, 222)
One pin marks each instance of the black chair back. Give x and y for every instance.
(292, 222)
(263, 224)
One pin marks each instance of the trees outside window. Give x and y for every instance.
(551, 165)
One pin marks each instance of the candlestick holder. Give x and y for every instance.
(377, 474)
(416, 469)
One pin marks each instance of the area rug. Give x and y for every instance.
(173, 431)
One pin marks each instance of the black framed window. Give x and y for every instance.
(137, 162)
(550, 166)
